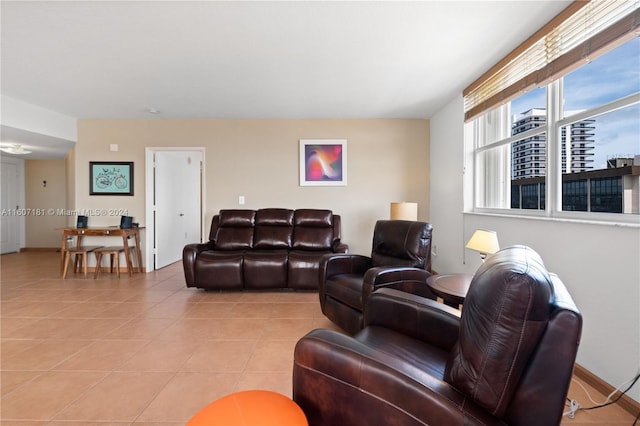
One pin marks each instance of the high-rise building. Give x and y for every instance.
(528, 156)
(614, 189)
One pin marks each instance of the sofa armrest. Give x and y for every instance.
(339, 247)
(405, 278)
(415, 316)
(189, 254)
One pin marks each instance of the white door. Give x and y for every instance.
(178, 203)
(9, 224)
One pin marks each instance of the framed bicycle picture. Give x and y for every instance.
(110, 177)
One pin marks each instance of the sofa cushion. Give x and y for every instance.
(265, 269)
(237, 218)
(505, 313)
(273, 229)
(225, 266)
(235, 231)
(313, 218)
(313, 229)
(274, 217)
(304, 268)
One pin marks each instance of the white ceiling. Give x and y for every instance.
(42, 147)
(256, 59)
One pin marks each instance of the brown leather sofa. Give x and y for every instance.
(266, 248)
(400, 258)
(506, 359)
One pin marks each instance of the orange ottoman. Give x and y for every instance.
(250, 408)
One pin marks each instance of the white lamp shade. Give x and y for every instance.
(484, 242)
(404, 211)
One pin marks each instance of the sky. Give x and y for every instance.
(612, 76)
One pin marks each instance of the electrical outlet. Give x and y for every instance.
(241, 200)
(434, 250)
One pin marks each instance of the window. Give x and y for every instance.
(570, 147)
(610, 77)
(574, 195)
(606, 195)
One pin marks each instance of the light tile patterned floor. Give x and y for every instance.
(147, 351)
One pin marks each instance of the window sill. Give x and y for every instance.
(633, 222)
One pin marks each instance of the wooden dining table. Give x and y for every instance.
(108, 231)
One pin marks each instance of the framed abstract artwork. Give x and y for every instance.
(110, 178)
(323, 162)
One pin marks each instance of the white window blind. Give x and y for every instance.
(580, 33)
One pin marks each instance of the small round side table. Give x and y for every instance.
(452, 288)
(251, 408)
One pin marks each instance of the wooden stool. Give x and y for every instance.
(80, 258)
(251, 408)
(114, 253)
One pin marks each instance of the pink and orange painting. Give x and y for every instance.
(323, 162)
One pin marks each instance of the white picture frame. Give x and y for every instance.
(323, 162)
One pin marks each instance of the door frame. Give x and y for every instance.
(21, 195)
(149, 201)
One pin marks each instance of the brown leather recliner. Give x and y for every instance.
(507, 359)
(400, 258)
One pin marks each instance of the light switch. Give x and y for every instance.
(114, 147)
(241, 200)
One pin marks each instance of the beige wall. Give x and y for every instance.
(388, 160)
(45, 202)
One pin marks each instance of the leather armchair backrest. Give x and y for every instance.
(235, 230)
(213, 232)
(313, 229)
(274, 229)
(505, 313)
(402, 243)
(546, 381)
(337, 226)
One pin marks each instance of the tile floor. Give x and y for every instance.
(147, 351)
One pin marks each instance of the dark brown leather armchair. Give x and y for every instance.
(400, 258)
(506, 359)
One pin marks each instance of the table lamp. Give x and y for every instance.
(483, 241)
(404, 211)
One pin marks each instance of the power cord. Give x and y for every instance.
(574, 405)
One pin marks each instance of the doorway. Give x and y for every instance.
(175, 201)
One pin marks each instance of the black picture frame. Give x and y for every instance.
(110, 177)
